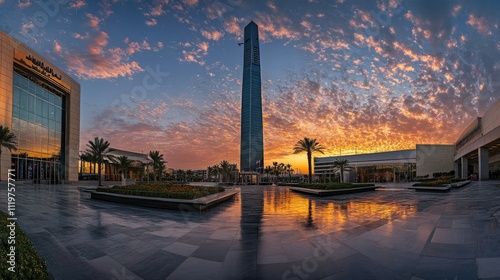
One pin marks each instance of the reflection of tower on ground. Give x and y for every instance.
(244, 250)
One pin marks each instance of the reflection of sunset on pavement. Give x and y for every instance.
(332, 215)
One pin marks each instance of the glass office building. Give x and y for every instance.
(41, 106)
(37, 122)
(393, 166)
(252, 140)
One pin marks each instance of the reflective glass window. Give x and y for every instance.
(31, 103)
(24, 100)
(15, 100)
(38, 105)
(36, 121)
(15, 112)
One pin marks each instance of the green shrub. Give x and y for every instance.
(332, 186)
(163, 190)
(444, 180)
(444, 174)
(29, 265)
(435, 183)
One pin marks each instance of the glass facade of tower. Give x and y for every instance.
(40, 104)
(38, 116)
(252, 146)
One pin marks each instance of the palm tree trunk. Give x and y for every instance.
(1, 163)
(99, 174)
(309, 166)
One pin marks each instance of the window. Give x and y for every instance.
(37, 116)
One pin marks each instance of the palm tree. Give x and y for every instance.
(268, 170)
(289, 170)
(189, 175)
(158, 162)
(181, 175)
(216, 170)
(309, 146)
(225, 168)
(282, 168)
(275, 170)
(99, 151)
(7, 140)
(341, 165)
(123, 164)
(233, 168)
(210, 171)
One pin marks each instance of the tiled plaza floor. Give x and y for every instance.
(269, 233)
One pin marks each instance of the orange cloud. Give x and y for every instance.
(480, 24)
(151, 22)
(195, 54)
(93, 21)
(233, 25)
(212, 35)
(100, 63)
(77, 4)
(275, 26)
(57, 47)
(23, 3)
(190, 2)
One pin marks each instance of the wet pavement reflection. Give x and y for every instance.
(268, 232)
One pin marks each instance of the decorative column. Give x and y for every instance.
(465, 167)
(483, 158)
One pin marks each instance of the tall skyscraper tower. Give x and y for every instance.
(252, 143)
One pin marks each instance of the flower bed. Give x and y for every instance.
(163, 190)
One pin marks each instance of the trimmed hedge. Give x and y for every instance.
(437, 182)
(163, 190)
(331, 186)
(29, 265)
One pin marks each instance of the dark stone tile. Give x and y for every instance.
(157, 266)
(486, 227)
(444, 223)
(488, 246)
(194, 238)
(358, 266)
(239, 265)
(213, 250)
(454, 251)
(123, 254)
(430, 268)
(85, 250)
(308, 268)
(244, 245)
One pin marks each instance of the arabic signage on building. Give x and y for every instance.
(41, 68)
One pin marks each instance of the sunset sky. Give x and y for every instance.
(359, 76)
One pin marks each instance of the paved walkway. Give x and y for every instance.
(269, 233)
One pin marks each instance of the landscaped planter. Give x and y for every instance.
(197, 204)
(459, 184)
(320, 192)
(442, 188)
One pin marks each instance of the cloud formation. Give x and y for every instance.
(357, 75)
(77, 4)
(99, 62)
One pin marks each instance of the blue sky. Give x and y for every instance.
(360, 76)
